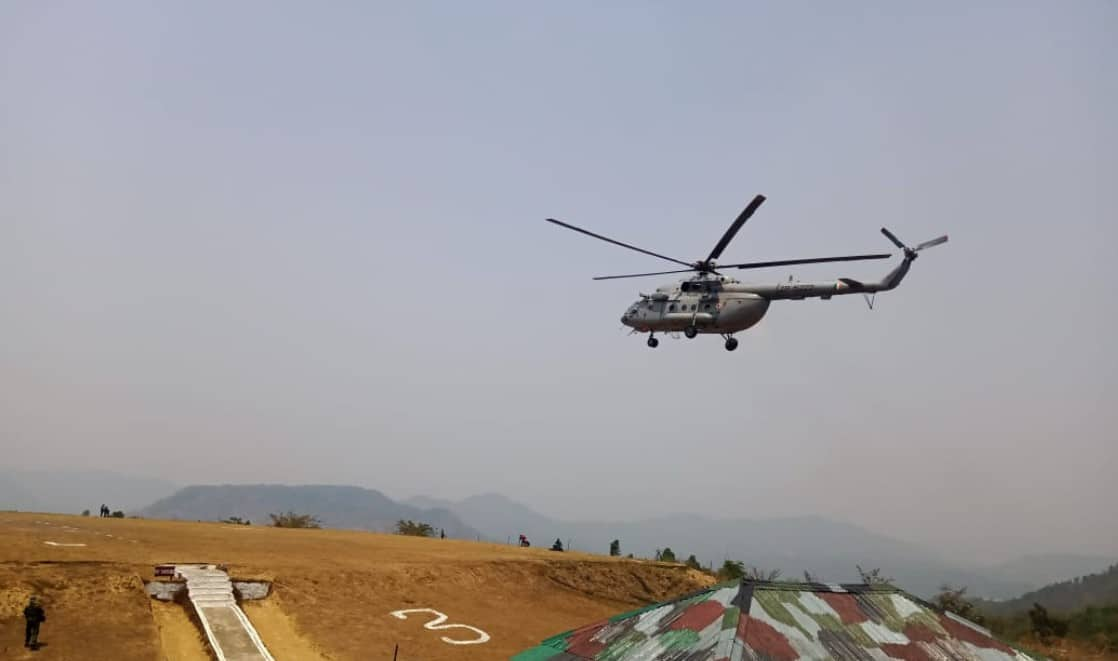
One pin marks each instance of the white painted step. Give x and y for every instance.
(231, 636)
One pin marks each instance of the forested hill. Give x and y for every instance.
(1092, 590)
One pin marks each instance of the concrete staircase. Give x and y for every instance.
(231, 635)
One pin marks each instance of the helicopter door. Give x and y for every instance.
(708, 305)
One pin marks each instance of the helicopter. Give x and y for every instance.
(710, 302)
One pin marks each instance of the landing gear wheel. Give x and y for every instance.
(653, 342)
(731, 343)
(690, 332)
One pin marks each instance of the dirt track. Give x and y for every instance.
(334, 591)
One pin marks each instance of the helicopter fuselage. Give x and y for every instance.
(722, 306)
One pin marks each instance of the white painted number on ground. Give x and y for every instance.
(437, 625)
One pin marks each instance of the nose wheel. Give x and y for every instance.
(652, 341)
(690, 332)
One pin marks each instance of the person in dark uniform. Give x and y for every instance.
(35, 616)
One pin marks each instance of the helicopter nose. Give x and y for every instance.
(625, 319)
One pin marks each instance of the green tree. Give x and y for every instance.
(85, 512)
(955, 600)
(1046, 627)
(693, 562)
(414, 528)
(117, 514)
(558, 545)
(667, 555)
(292, 520)
(731, 570)
(615, 548)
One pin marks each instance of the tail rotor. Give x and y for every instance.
(911, 253)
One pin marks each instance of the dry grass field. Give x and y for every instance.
(333, 591)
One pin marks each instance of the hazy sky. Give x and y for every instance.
(296, 242)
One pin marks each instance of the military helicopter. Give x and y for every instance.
(710, 302)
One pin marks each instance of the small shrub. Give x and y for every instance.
(414, 528)
(293, 520)
(731, 570)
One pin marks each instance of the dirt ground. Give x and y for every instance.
(333, 596)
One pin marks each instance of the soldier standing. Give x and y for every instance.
(35, 616)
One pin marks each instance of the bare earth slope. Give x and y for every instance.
(334, 591)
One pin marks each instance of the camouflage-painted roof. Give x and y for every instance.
(765, 621)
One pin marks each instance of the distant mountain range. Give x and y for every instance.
(336, 506)
(827, 548)
(1094, 589)
(1041, 570)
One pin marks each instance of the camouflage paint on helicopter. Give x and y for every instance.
(763, 621)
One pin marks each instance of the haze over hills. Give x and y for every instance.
(74, 491)
(1044, 569)
(336, 506)
(829, 549)
(1095, 589)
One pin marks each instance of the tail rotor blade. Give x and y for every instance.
(893, 238)
(933, 242)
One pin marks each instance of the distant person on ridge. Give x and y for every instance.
(35, 616)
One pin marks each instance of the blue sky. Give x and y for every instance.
(303, 243)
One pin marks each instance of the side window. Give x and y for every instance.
(671, 308)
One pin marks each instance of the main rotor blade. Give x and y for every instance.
(616, 243)
(734, 227)
(641, 275)
(933, 242)
(813, 260)
(893, 238)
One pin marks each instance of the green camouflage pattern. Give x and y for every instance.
(768, 621)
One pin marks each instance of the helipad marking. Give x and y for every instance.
(437, 625)
(61, 544)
